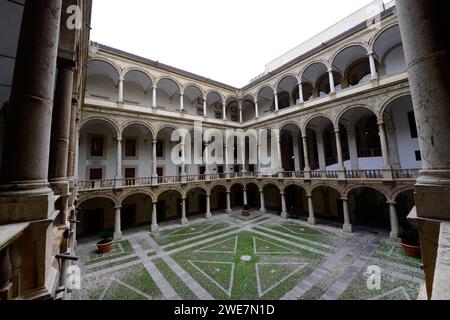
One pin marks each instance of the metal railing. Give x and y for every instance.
(374, 174)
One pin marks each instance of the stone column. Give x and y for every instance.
(59, 147)
(296, 153)
(312, 218)
(183, 157)
(321, 152)
(228, 211)
(154, 227)
(300, 92)
(181, 102)
(224, 111)
(263, 204)
(154, 163)
(119, 159)
(208, 206)
(29, 116)
(117, 224)
(184, 219)
(384, 151)
(120, 85)
(394, 220)
(347, 222)
(205, 107)
(241, 118)
(284, 213)
(280, 160)
(256, 109)
(245, 196)
(72, 142)
(427, 56)
(353, 149)
(306, 153)
(155, 89)
(339, 154)
(275, 97)
(331, 77)
(373, 68)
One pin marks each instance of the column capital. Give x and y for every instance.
(118, 207)
(370, 53)
(344, 199)
(154, 141)
(380, 122)
(391, 202)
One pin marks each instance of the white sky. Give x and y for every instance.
(229, 41)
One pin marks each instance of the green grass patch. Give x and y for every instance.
(393, 251)
(113, 264)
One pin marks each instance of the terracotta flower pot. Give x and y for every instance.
(412, 251)
(246, 213)
(104, 246)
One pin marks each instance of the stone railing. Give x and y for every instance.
(375, 174)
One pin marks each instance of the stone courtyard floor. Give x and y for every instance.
(260, 257)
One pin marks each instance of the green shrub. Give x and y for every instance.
(410, 237)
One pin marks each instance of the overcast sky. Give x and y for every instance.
(229, 41)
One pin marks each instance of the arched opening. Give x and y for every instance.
(193, 100)
(102, 81)
(136, 153)
(169, 206)
(165, 166)
(214, 105)
(136, 211)
(287, 92)
(311, 76)
(237, 196)
(233, 110)
(248, 109)
(353, 63)
(137, 89)
(196, 202)
(323, 84)
(168, 95)
(253, 196)
(218, 199)
(368, 209)
(97, 151)
(296, 202)
(292, 156)
(324, 145)
(266, 103)
(95, 215)
(388, 50)
(405, 202)
(272, 198)
(402, 134)
(363, 140)
(328, 204)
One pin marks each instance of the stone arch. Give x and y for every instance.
(130, 193)
(308, 121)
(138, 69)
(374, 39)
(296, 184)
(341, 113)
(193, 187)
(399, 191)
(113, 124)
(172, 188)
(231, 185)
(216, 92)
(191, 84)
(313, 187)
(137, 122)
(290, 122)
(386, 103)
(353, 44)
(164, 77)
(88, 197)
(320, 61)
(164, 126)
(284, 76)
(111, 63)
(383, 191)
(265, 184)
(215, 185)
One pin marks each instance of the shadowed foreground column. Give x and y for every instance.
(422, 26)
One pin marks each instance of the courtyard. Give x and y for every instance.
(261, 257)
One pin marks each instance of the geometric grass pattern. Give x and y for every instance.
(279, 261)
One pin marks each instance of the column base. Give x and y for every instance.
(263, 211)
(117, 236)
(184, 221)
(208, 215)
(312, 221)
(228, 211)
(284, 215)
(394, 236)
(348, 228)
(154, 228)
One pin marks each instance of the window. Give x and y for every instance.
(160, 149)
(97, 146)
(96, 174)
(412, 125)
(218, 115)
(130, 148)
(418, 156)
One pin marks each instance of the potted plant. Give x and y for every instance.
(246, 211)
(105, 245)
(410, 242)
